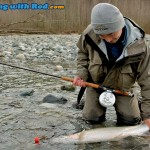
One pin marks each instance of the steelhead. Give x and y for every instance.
(103, 134)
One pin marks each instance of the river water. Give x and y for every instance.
(25, 117)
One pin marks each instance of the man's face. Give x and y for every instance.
(112, 37)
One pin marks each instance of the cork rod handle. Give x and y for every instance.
(86, 83)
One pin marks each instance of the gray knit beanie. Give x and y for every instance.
(106, 19)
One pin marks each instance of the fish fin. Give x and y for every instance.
(81, 135)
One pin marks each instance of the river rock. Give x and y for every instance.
(27, 93)
(68, 87)
(21, 57)
(53, 99)
(58, 68)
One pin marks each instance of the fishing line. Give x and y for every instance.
(71, 80)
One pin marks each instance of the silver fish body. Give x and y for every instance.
(103, 134)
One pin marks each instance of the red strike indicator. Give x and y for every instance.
(37, 140)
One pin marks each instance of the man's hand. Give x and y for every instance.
(78, 82)
(147, 122)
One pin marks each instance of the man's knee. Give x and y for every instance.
(128, 120)
(95, 120)
(94, 117)
(127, 110)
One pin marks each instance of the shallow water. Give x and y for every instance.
(24, 118)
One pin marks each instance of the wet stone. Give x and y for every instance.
(15, 104)
(68, 87)
(27, 93)
(53, 99)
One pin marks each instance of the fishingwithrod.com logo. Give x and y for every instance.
(26, 6)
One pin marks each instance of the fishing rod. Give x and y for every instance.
(97, 86)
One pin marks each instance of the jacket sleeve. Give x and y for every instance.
(82, 59)
(144, 82)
